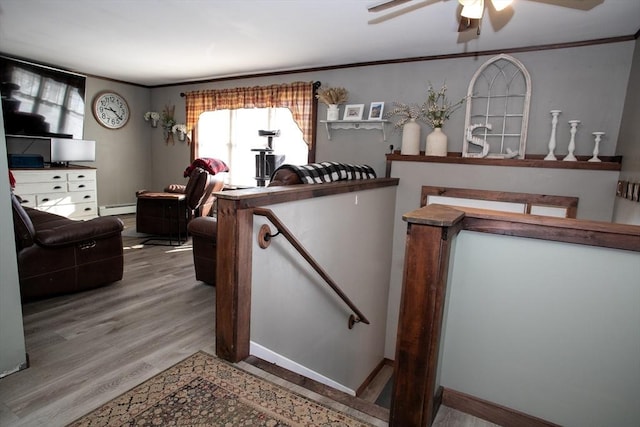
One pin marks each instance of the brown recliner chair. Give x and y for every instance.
(168, 213)
(57, 255)
(203, 231)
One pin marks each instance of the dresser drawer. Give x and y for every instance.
(28, 200)
(52, 199)
(41, 187)
(77, 210)
(88, 175)
(82, 186)
(39, 176)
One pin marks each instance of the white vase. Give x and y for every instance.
(436, 143)
(410, 138)
(333, 112)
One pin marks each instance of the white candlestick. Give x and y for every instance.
(552, 139)
(572, 142)
(596, 147)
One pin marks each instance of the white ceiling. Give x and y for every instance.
(155, 42)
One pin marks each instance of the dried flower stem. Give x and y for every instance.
(332, 95)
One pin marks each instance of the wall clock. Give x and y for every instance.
(110, 110)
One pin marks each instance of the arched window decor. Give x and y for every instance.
(297, 97)
(498, 110)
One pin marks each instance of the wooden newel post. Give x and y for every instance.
(415, 398)
(233, 280)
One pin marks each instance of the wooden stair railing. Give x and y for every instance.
(264, 238)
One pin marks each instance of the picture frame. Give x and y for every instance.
(353, 112)
(375, 110)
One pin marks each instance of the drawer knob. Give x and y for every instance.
(80, 176)
(87, 197)
(57, 177)
(81, 186)
(45, 200)
(57, 187)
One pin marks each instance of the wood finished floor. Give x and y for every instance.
(85, 349)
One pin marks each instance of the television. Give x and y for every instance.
(40, 101)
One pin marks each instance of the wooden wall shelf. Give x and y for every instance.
(356, 124)
(531, 161)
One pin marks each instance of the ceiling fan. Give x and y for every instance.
(470, 15)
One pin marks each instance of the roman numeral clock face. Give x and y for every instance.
(110, 110)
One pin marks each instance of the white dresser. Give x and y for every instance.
(70, 192)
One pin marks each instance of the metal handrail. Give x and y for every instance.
(266, 236)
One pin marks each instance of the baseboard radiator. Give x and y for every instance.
(125, 208)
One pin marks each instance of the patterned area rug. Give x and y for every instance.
(203, 390)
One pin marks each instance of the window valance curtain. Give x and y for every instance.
(297, 97)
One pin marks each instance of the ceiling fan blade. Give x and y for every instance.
(386, 5)
(573, 4)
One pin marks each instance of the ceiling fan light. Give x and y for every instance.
(501, 4)
(473, 10)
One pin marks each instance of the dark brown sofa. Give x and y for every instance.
(57, 255)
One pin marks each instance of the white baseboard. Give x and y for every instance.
(118, 209)
(268, 355)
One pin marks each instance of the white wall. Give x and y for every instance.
(545, 328)
(123, 156)
(295, 314)
(12, 346)
(627, 211)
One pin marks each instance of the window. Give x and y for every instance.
(230, 135)
(498, 101)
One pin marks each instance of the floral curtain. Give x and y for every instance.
(297, 97)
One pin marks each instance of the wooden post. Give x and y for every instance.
(429, 233)
(233, 280)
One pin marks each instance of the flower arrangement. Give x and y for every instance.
(405, 113)
(167, 117)
(151, 115)
(437, 109)
(434, 111)
(182, 128)
(332, 95)
(167, 123)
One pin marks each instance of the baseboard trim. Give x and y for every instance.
(127, 208)
(489, 411)
(384, 362)
(264, 353)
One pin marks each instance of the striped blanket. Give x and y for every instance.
(317, 173)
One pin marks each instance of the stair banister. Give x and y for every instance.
(264, 238)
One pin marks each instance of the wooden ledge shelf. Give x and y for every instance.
(531, 161)
(356, 124)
